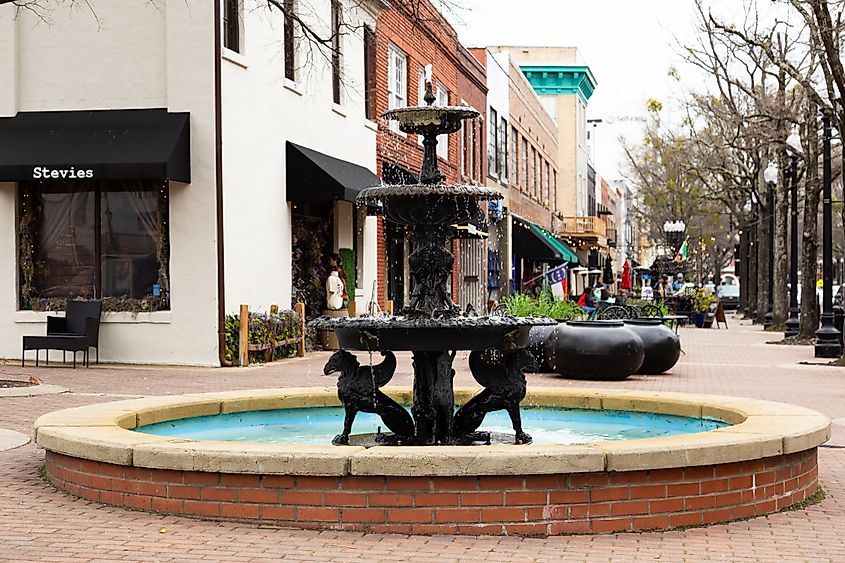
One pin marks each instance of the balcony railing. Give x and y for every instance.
(583, 227)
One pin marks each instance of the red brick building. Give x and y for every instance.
(405, 41)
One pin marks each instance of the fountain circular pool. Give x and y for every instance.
(317, 426)
(763, 460)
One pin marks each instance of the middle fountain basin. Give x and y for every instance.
(400, 333)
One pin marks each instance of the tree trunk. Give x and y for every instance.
(752, 265)
(780, 309)
(780, 297)
(763, 244)
(742, 272)
(810, 231)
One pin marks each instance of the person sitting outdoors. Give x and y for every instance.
(663, 288)
(678, 284)
(587, 301)
(622, 298)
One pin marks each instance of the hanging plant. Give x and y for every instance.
(26, 233)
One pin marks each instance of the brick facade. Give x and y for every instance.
(531, 505)
(426, 38)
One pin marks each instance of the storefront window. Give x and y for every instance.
(94, 240)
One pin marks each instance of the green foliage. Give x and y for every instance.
(110, 304)
(264, 329)
(308, 269)
(522, 305)
(347, 258)
(702, 300)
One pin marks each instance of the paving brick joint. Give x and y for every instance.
(39, 523)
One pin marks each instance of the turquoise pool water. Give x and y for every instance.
(547, 425)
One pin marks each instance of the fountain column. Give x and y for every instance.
(434, 397)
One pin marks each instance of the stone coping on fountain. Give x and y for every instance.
(102, 432)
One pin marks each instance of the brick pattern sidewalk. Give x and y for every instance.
(38, 523)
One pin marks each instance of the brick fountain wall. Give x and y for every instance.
(535, 505)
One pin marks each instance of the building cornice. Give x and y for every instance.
(561, 79)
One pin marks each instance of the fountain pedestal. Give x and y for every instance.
(432, 326)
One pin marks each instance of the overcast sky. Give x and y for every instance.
(630, 45)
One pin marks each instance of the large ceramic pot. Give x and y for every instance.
(595, 350)
(537, 339)
(662, 346)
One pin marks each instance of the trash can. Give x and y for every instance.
(838, 321)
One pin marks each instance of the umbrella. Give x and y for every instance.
(607, 277)
(626, 276)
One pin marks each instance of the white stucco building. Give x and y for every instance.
(205, 133)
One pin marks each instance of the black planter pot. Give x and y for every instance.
(595, 350)
(662, 346)
(537, 339)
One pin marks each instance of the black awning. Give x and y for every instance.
(532, 242)
(314, 176)
(132, 144)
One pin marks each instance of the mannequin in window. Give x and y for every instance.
(334, 291)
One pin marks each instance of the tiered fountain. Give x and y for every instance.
(432, 326)
(208, 455)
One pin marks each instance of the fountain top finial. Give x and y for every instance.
(429, 97)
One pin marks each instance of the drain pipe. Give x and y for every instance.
(218, 172)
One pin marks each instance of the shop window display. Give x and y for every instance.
(94, 240)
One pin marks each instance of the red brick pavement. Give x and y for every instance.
(38, 523)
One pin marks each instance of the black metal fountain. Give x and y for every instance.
(431, 326)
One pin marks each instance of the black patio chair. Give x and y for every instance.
(651, 310)
(77, 331)
(615, 312)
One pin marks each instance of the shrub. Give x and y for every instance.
(546, 305)
(264, 329)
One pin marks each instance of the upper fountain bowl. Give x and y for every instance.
(427, 204)
(426, 119)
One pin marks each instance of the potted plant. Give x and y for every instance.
(701, 303)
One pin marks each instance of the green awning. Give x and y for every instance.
(560, 247)
(532, 242)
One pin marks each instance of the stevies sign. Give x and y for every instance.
(72, 173)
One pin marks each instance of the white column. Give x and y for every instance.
(367, 264)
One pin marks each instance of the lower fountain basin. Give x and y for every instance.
(765, 461)
(399, 333)
(546, 425)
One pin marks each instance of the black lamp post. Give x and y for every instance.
(793, 143)
(827, 337)
(770, 175)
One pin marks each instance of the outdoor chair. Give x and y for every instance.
(615, 312)
(77, 331)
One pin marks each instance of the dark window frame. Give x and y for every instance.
(337, 54)
(370, 73)
(289, 40)
(31, 296)
(232, 25)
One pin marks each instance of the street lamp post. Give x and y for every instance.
(827, 336)
(770, 175)
(793, 143)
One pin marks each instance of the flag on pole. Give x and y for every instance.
(558, 279)
(682, 252)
